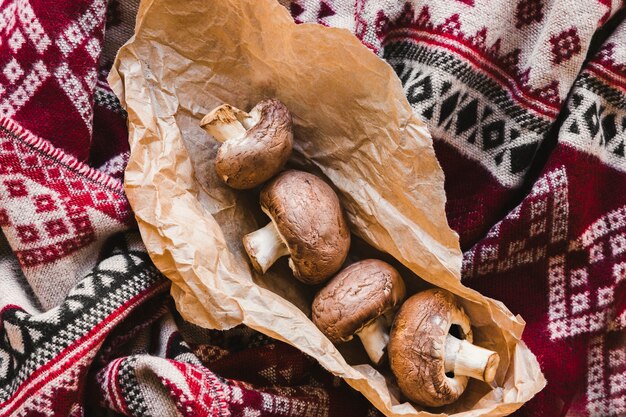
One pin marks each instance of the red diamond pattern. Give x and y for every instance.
(528, 11)
(55, 190)
(16, 188)
(44, 203)
(565, 45)
(46, 72)
(56, 228)
(27, 233)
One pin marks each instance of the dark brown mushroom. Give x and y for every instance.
(254, 146)
(307, 223)
(431, 365)
(361, 300)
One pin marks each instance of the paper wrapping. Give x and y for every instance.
(353, 126)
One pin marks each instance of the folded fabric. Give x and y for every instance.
(526, 101)
(526, 104)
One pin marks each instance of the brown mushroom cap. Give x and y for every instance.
(356, 296)
(249, 161)
(308, 216)
(416, 347)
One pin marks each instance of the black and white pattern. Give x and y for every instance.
(469, 111)
(131, 389)
(29, 341)
(595, 121)
(104, 97)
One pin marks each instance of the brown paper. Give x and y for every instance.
(353, 125)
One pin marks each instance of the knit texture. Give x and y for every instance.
(528, 118)
(526, 101)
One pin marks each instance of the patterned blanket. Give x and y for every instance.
(526, 101)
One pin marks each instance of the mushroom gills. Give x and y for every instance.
(464, 358)
(264, 247)
(374, 337)
(227, 123)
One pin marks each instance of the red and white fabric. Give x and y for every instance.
(526, 100)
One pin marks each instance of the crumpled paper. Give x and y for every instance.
(352, 125)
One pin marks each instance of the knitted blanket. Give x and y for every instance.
(526, 101)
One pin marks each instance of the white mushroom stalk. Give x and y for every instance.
(254, 146)
(264, 247)
(374, 337)
(423, 354)
(226, 123)
(466, 359)
(307, 224)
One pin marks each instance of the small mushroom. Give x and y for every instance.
(307, 223)
(430, 364)
(254, 146)
(360, 300)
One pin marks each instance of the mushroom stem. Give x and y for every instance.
(264, 247)
(374, 337)
(248, 120)
(223, 123)
(464, 358)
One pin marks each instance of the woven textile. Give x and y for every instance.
(526, 101)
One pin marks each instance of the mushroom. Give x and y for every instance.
(307, 223)
(431, 365)
(360, 300)
(254, 146)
